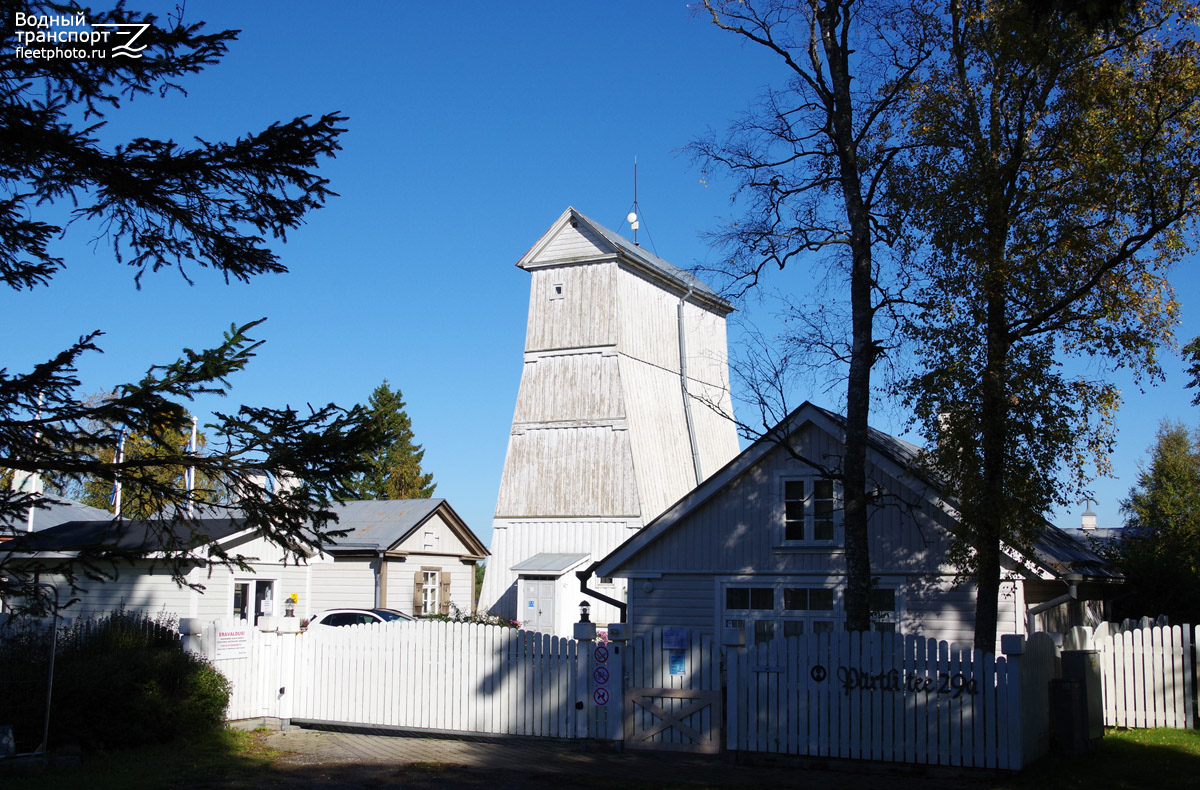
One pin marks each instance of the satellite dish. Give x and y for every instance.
(632, 218)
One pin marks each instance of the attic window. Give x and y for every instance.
(556, 291)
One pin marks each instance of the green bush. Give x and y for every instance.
(125, 680)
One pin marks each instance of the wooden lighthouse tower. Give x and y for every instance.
(623, 408)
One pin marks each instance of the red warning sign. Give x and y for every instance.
(600, 696)
(600, 653)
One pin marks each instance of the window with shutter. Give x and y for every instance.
(418, 586)
(428, 591)
(444, 594)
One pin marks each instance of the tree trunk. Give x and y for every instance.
(988, 518)
(862, 348)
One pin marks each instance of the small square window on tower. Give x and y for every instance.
(556, 291)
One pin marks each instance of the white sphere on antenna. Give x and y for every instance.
(632, 217)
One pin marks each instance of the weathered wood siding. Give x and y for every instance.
(570, 387)
(573, 472)
(716, 436)
(585, 316)
(707, 350)
(600, 429)
(662, 451)
(573, 244)
(648, 322)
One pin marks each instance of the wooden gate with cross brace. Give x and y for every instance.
(673, 697)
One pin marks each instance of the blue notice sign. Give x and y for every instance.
(677, 660)
(675, 639)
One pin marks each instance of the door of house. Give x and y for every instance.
(253, 598)
(537, 603)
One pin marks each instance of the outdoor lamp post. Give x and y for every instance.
(585, 629)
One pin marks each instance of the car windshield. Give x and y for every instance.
(388, 616)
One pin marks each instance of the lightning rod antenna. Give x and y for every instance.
(633, 215)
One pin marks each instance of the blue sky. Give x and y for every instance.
(472, 126)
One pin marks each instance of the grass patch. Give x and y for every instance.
(219, 756)
(1133, 759)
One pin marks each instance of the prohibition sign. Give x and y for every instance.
(600, 653)
(600, 675)
(600, 696)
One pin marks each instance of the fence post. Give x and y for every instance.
(1013, 647)
(192, 630)
(585, 640)
(289, 631)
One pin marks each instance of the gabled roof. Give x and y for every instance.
(383, 524)
(55, 510)
(1055, 552)
(371, 525)
(549, 563)
(131, 536)
(623, 249)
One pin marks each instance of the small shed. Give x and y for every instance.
(545, 584)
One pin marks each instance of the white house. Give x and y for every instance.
(623, 408)
(756, 551)
(416, 555)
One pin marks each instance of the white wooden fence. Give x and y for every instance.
(885, 697)
(1147, 673)
(423, 675)
(876, 696)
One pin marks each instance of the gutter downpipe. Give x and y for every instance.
(683, 385)
(583, 577)
(1072, 594)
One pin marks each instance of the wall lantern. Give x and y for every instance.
(585, 609)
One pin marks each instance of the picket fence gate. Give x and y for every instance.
(1147, 672)
(455, 677)
(876, 696)
(673, 695)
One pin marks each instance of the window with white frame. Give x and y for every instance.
(429, 592)
(783, 608)
(809, 510)
(808, 610)
(753, 603)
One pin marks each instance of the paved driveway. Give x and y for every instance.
(377, 758)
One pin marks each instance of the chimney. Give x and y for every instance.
(1089, 518)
